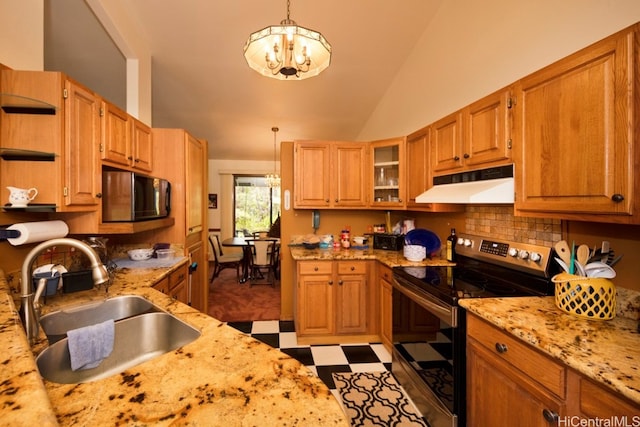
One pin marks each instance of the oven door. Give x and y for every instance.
(428, 353)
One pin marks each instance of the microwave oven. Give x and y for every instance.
(129, 196)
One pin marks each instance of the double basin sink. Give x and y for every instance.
(143, 331)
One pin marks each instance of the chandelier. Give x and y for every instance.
(281, 51)
(273, 179)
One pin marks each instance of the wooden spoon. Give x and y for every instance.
(582, 254)
(564, 252)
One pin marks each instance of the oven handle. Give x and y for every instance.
(442, 310)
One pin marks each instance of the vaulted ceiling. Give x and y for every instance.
(201, 81)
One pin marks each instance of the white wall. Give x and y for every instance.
(472, 48)
(22, 34)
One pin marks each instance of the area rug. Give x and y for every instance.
(375, 399)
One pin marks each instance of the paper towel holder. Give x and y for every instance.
(9, 234)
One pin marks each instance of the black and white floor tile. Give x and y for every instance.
(321, 359)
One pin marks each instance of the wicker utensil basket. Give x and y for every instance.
(588, 297)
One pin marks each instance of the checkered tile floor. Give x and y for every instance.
(321, 359)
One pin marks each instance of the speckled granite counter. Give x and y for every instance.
(389, 258)
(222, 378)
(605, 351)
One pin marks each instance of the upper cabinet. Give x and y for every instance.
(388, 173)
(477, 136)
(67, 179)
(329, 174)
(575, 132)
(126, 141)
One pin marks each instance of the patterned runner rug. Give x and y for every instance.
(375, 399)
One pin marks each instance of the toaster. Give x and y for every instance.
(388, 242)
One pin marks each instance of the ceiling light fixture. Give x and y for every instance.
(281, 51)
(273, 179)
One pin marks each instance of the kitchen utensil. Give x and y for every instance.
(140, 254)
(582, 254)
(563, 251)
(604, 251)
(562, 264)
(572, 264)
(615, 260)
(579, 269)
(599, 269)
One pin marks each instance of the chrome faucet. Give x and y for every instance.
(29, 309)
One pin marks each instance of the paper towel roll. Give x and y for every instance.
(31, 232)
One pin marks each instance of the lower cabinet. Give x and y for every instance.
(385, 277)
(334, 298)
(175, 284)
(511, 383)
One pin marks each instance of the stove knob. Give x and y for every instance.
(523, 254)
(460, 241)
(513, 252)
(535, 257)
(468, 242)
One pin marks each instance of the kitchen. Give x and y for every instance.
(624, 238)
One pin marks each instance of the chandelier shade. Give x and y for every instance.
(287, 50)
(273, 179)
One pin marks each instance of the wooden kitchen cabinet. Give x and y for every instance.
(575, 131)
(334, 299)
(126, 141)
(388, 173)
(67, 178)
(182, 159)
(598, 402)
(330, 174)
(175, 284)
(385, 278)
(509, 382)
(477, 136)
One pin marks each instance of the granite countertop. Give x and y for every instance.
(389, 258)
(607, 351)
(222, 378)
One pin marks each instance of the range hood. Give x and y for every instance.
(483, 186)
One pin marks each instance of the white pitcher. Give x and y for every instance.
(20, 197)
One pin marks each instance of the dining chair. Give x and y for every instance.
(221, 261)
(262, 266)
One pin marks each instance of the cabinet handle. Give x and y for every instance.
(466, 155)
(336, 201)
(330, 282)
(315, 268)
(340, 282)
(456, 158)
(549, 415)
(501, 348)
(130, 158)
(99, 195)
(352, 268)
(326, 200)
(137, 161)
(617, 198)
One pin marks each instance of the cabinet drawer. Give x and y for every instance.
(314, 267)
(178, 276)
(385, 272)
(352, 267)
(520, 355)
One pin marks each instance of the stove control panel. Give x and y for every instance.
(526, 257)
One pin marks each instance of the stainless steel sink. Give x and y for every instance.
(56, 324)
(137, 340)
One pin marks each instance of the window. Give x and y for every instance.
(256, 205)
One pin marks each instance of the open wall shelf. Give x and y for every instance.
(16, 154)
(16, 104)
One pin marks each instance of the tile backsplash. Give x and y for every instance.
(499, 222)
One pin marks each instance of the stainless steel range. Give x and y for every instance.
(429, 328)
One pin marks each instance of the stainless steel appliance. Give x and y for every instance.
(429, 328)
(129, 196)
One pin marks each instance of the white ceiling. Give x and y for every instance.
(202, 83)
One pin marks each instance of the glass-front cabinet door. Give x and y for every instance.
(388, 180)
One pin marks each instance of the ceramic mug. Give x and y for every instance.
(20, 197)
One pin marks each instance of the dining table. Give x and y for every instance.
(246, 243)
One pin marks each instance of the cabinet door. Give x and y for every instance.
(349, 175)
(417, 166)
(162, 286)
(497, 396)
(199, 289)
(141, 146)
(82, 138)
(487, 127)
(574, 134)
(386, 301)
(195, 180)
(446, 144)
(387, 173)
(116, 139)
(314, 310)
(351, 297)
(180, 292)
(312, 174)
